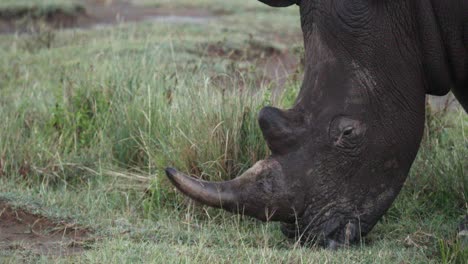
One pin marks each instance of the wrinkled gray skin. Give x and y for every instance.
(341, 155)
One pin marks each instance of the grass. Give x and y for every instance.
(90, 120)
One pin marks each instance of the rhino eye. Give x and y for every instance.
(348, 131)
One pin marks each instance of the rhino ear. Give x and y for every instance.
(280, 3)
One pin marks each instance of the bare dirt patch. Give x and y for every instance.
(91, 13)
(21, 230)
(273, 66)
(252, 51)
(30, 19)
(121, 11)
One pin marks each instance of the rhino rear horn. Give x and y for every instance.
(281, 129)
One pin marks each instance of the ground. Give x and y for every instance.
(98, 98)
(22, 230)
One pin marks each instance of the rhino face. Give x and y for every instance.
(342, 153)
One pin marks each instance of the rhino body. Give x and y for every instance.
(341, 154)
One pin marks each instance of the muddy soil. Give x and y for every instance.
(23, 231)
(92, 13)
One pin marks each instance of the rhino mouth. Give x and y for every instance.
(330, 234)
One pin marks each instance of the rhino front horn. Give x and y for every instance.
(259, 192)
(214, 194)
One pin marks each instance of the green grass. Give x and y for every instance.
(91, 119)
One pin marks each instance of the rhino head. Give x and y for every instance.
(341, 154)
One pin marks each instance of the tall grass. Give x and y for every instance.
(132, 108)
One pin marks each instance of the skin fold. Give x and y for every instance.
(341, 154)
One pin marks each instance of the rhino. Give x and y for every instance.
(341, 154)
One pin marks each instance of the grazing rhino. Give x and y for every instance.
(341, 155)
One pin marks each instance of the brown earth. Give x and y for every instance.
(90, 13)
(21, 230)
(273, 66)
